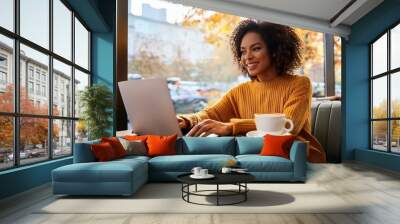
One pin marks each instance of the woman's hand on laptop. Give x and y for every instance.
(208, 126)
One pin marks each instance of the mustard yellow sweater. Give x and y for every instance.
(288, 94)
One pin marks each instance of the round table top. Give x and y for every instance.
(220, 178)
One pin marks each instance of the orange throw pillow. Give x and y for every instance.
(161, 145)
(103, 152)
(275, 145)
(116, 145)
(136, 137)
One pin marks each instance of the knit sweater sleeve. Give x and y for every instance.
(222, 110)
(298, 106)
(242, 126)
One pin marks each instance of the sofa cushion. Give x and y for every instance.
(116, 145)
(249, 145)
(118, 177)
(83, 152)
(134, 147)
(185, 163)
(136, 137)
(132, 158)
(275, 145)
(103, 152)
(326, 127)
(112, 171)
(257, 163)
(206, 145)
(159, 145)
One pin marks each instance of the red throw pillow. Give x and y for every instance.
(275, 145)
(161, 145)
(103, 151)
(116, 145)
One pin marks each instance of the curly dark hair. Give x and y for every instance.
(284, 46)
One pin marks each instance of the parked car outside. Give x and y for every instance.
(22, 155)
(186, 95)
(187, 101)
(134, 76)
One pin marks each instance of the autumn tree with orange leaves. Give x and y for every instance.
(380, 127)
(217, 28)
(33, 131)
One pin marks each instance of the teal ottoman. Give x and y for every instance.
(118, 177)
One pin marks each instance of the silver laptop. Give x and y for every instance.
(149, 107)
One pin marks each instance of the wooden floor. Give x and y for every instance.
(377, 188)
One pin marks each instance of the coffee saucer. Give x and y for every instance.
(256, 133)
(208, 176)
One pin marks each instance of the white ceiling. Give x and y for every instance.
(318, 15)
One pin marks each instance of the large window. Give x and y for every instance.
(385, 95)
(190, 48)
(40, 80)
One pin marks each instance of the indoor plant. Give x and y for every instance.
(96, 104)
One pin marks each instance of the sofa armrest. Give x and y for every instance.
(83, 152)
(298, 155)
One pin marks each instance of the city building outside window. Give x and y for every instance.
(43, 90)
(385, 96)
(44, 77)
(30, 87)
(37, 74)
(3, 78)
(35, 53)
(37, 89)
(3, 60)
(3, 72)
(30, 72)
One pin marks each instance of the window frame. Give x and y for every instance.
(3, 77)
(388, 74)
(16, 114)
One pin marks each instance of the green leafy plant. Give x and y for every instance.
(96, 104)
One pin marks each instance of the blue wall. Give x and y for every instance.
(24, 178)
(103, 63)
(99, 16)
(356, 99)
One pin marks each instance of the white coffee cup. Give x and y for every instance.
(196, 170)
(274, 124)
(203, 172)
(226, 170)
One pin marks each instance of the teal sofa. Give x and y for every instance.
(125, 176)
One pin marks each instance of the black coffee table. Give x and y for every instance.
(238, 179)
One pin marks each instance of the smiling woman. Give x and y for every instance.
(277, 46)
(268, 53)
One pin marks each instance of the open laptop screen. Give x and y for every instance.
(149, 107)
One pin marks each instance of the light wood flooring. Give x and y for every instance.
(377, 188)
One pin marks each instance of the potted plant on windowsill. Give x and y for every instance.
(96, 104)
